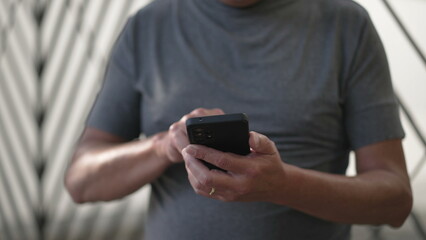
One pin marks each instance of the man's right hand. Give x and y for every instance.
(172, 142)
(106, 167)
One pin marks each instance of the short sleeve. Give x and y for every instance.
(370, 106)
(117, 106)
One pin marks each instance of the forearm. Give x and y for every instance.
(376, 197)
(111, 171)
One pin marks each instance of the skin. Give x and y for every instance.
(379, 194)
(105, 167)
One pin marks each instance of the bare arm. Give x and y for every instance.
(105, 167)
(379, 194)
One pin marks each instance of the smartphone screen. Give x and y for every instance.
(227, 133)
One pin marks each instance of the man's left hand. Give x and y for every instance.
(255, 177)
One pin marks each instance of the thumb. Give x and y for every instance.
(261, 144)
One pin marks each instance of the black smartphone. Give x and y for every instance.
(227, 133)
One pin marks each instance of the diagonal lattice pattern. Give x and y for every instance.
(52, 58)
(18, 181)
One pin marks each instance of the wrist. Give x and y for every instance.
(160, 149)
(287, 185)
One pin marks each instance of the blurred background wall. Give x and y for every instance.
(52, 58)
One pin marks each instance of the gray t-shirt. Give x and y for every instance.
(312, 75)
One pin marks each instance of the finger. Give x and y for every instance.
(218, 193)
(196, 185)
(181, 140)
(206, 112)
(200, 112)
(261, 144)
(227, 161)
(179, 136)
(207, 178)
(195, 113)
(216, 111)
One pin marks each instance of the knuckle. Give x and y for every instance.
(253, 171)
(186, 117)
(194, 113)
(198, 111)
(201, 154)
(218, 110)
(175, 133)
(174, 127)
(222, 161)
(205, 181)
(198, 186)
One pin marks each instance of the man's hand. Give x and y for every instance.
(248, 178)
(172, 142)
(106, 167)
(381, 184)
